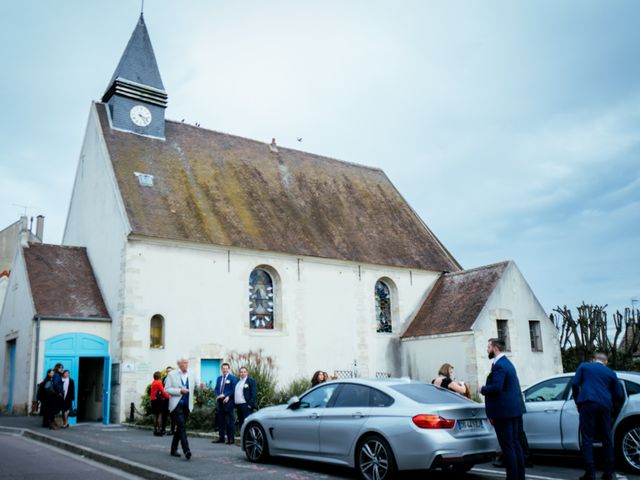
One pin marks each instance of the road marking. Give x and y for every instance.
(533, 477)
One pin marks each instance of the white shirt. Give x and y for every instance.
(498, 357)
(65, 385)
(238, 398)
(184, 376)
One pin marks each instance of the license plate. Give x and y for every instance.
(470, 424)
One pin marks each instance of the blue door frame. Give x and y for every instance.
(11, 344)
(68, 349)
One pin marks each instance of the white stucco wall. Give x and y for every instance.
(4, 285)
(513, 300)
(97, 221)
(326, 319)
(16, 322)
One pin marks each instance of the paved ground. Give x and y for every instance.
(22, 458)
(228, 462)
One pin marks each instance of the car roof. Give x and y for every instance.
(378, 382)
(622, 374)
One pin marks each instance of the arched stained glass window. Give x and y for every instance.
(156, 332)
(260, 299)
(383, 307)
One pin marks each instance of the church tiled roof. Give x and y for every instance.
(455, 301)
(62, 282)
(210, 187)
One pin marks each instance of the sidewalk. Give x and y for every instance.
(140, 453)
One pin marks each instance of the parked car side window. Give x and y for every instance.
(548, 391)
(319, 397)
(353, 396)
(380, 399)
(632, 388)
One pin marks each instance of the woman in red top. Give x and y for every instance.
(157, 394)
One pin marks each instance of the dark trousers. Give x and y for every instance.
(166, 417)
(243, 412)
(594, 416)
(226, 421)
(507, 433)
(179, 417)
(522, 439)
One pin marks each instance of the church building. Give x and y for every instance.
(181, 240)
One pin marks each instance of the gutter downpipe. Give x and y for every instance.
(35, 370)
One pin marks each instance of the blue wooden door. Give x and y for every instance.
(209, 371)
(12, 373)
(68, 363)
(106, 391)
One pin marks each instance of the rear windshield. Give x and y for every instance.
(424, 393)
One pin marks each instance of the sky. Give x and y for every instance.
(512, 128)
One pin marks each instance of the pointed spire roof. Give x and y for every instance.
(138, 62)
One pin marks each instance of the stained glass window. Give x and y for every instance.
(156, 332)
(383, 307)
(260, 300)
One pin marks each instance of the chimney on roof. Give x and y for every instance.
(24, 231)
(40, 227)
(273, 147)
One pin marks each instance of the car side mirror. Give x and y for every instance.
(293, 403)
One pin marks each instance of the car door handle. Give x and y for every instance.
(313, 415)
(357, 415)
(551, 410)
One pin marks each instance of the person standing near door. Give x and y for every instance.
(180, 385)
(503, 403)
(69, 389)
(58, 400)
(225, 386)
(595, 389)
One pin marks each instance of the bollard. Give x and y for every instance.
(131, 412)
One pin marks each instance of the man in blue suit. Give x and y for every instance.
(595, 390)
(245, 395)
(225, 386)
(503, 403)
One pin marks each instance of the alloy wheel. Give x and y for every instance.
(254, 443)
(631, 447)
(374, 460)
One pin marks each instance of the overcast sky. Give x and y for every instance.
(512, 128)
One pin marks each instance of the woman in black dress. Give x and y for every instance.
(445, 380)
(46, 396)
(69, 389)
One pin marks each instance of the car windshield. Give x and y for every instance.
(427, 394)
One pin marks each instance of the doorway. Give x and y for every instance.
(11, 353)
(89, 395)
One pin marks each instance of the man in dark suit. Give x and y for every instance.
(245, 395)
(503, 403)
(596, 389)
(225, 386)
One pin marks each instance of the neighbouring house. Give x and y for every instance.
(201, 243)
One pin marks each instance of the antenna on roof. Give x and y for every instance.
(26, 207)
(142, 8)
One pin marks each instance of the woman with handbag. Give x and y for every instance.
(47, 398)
(158, 395)
(69, 389)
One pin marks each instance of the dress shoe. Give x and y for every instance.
(220, 440)
(230, 443)
(188, 455)
(175, 454)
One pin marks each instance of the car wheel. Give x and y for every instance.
(255, 444)
(628, 447)
(374, 459)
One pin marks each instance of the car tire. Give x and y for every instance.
(374, 459)
(627, 447)
(254, 443)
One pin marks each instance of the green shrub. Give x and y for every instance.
(201, 418)
(294, 388)
(261, 368)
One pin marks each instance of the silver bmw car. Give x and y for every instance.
(552, 423)
(378, 427)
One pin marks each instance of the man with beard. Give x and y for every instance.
(503, 403)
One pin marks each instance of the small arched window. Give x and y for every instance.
(156, 332)
(261, 300)
(383, 307)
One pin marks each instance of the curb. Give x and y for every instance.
(128, 466)
(190, 433)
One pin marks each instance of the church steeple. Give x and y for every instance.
(136, 95)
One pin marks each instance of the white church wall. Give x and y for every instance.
(97, 221)
(16, 323)
(423, 357)
(514, 301)
(4, 285)
(325, 321)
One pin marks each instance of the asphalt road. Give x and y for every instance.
(24, 459)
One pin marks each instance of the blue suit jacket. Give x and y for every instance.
(595, 382)
(251, 392)
(503, 398)
(227, 389)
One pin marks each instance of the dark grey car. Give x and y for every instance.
(377, 426)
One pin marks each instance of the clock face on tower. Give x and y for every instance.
(140, 115)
